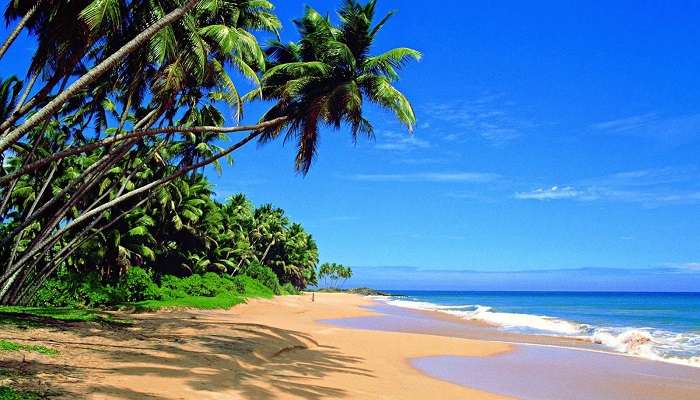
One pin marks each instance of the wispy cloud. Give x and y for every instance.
(439, 177)
(650, 187)
(553, 193)
(625, 124)
(654, 125)
(421, 160)
(489, 117)
(402, 142)
(480, 196)
(685, 266)
(342, 218)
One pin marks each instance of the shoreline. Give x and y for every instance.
(265, 349)
(289, 347)
(545, 361)
(635, 342)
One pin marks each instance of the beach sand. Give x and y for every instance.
(340, 346)
(266, 349)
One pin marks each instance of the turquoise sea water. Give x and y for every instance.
(662, 326)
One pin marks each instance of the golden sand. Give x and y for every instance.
(266, 349)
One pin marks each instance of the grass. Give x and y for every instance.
(7, 393)
(6, 345)
(252, 289)
(207, 303)
(39, 316)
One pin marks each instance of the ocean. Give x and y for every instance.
(657, 326)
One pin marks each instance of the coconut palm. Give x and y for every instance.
(116, 82)
(325, 78)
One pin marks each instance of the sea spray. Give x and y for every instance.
(646, 342)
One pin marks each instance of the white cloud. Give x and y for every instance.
(553, 193)
(627, 123)
(400, 142)
(489, 117)
(648, 187)
(466, 177)
(674, 129)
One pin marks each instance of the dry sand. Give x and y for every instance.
(266, 349)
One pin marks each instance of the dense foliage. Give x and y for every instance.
(229, 239)
(103, 144)
(139, 287)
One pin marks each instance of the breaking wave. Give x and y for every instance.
(649, 343)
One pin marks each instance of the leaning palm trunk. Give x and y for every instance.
(90, 174)
(36, 201)
(109, 63)
(25, 292)
(119, 138)
(20, 26)
(8, 282)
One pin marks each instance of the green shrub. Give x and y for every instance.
(87, 290)
(253, 288)
(69, 289)
(208, 285)
(137, 285)
(239, 284)
(57, 292)
(264, 275)
(243, 287)
(171, 288)
(288, 288)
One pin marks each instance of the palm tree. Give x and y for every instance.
(326, 76)
(149, 68)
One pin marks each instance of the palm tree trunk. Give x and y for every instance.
(267, 250)
(15, 32)
(39, 246)
(26, 107)
(25, 93)
(31, 210)
(109, 63)
(27, 158)
(10, 275)
(25, 292)
(135, 135)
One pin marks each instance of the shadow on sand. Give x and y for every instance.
(254, 361)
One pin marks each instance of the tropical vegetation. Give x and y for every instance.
(334, 275)
(105, 135)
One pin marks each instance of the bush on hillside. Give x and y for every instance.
(288, 288)
(136, 285)
(87, 290)
(71, 289)
(264, 275)
(207, 285)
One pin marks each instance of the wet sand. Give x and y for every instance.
(537, 367)
(551, 373)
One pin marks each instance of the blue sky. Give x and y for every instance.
(551, 136)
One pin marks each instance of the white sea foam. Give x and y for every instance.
(659, 345)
